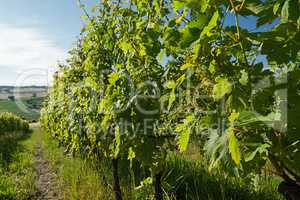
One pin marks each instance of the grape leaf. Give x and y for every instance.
(212, 24)
(234, 148)
(222, 88)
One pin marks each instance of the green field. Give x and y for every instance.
(32, 104)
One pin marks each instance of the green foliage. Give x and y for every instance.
(34, 103)
(228, 57)
(10, 123)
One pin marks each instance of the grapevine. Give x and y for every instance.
(147, 76)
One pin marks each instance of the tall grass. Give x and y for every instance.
(17, 173)
(186, 177)
(190, 180)
(77, 178)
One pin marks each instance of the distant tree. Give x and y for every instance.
(11, 98)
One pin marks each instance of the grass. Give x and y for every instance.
(189, 179)
(186, 176)
(30, 103)
(77, 178)
(17, 173)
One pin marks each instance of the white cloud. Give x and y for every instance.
(26, 52)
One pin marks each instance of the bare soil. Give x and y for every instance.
(45, 182)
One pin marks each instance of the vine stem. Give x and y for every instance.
(158, 188)
(237, 24)
(84, 10)
(116, 185)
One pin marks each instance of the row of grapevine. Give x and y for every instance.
(146, 75)
(11, 123)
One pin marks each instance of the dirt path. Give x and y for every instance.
(46, 179)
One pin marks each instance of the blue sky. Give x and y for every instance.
(59, 19)
(34, 36)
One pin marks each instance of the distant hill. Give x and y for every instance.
(32, 97)
(7, 92)
(12, 107)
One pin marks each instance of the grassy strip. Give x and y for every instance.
(186, 177)
(17, 173)
(77, 178)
